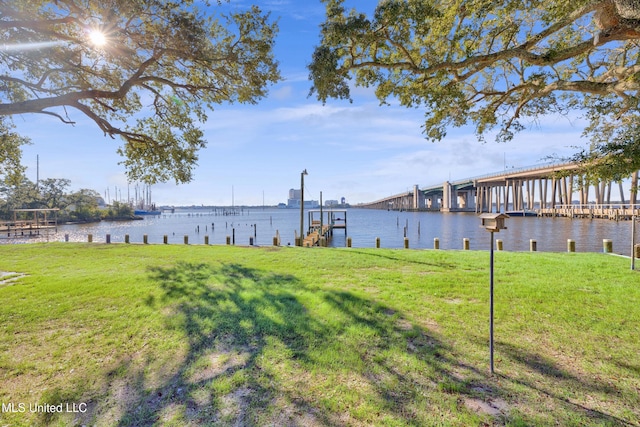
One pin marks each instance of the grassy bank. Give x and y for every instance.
(176, 335)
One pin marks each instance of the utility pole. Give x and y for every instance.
(302, 174)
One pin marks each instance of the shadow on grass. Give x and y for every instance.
(261, 348)
(557, 379)
(256, 348)
(438, 265)
(229, 315)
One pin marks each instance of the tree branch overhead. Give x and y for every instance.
(174, 50)
(494, 65)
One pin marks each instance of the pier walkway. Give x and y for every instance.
(22, 226)
(321, 229)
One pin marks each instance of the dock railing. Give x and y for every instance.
(614, 211)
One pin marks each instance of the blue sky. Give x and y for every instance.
(361, 151)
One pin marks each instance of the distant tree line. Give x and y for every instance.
(75, 206)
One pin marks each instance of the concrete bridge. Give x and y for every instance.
(537, 189)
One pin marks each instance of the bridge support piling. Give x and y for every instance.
(515, 190)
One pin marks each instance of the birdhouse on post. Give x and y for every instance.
(494, 221)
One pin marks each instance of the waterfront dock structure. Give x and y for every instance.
(322, 223)
(30, 227)
(514, 190)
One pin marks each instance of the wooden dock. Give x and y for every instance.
(616, 212)
(24, 228)
(32, 227)
(321, 226)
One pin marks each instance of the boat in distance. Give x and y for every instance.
(146, 212)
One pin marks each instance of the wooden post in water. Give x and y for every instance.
(126, 238)
(348, 242)
(145, 239)
(378, 242)
(90, 238)
(108, 238)
(533, 245)
(607, 246)
(436, 243)
(186, 239)
(165, 239)
(228, 240)
(406, 243)
(499, 244)
(571, 245)
(206, 239)
(465, 244)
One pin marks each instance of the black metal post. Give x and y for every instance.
(491, 303)
(633, 239)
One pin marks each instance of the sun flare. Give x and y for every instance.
(97, 38)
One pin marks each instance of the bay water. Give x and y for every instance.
(363, 226)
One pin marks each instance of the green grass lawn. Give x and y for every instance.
(195, 335)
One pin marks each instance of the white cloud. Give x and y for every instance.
(281, 93)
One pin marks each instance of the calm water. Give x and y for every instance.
(364, 226)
